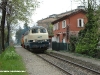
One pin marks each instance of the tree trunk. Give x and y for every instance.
(8, 27)
(3, 22)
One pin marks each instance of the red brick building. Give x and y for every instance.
(69, 24)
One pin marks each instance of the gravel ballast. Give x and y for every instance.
(35, 65)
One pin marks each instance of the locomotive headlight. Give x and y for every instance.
(33, 40)
(45, 40)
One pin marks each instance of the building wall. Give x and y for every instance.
(60, 32)
(73, 28)
(73, 22)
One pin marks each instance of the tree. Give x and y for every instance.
(21, 10)
(21, 31)
(18, 35)
(16, 10)
(3, 4)
(88, 38)
(26, 28)
(50, 30)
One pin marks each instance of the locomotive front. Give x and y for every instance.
(38, 39)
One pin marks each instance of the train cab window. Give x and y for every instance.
(34, 30)
(42, 30)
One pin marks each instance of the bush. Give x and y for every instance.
(98, 52)
(10, 54)
(72, 45)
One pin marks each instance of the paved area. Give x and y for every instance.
(35, 65)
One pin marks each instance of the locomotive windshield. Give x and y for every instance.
(42, 30)
(37, 30)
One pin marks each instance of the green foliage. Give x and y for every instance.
(11, 61)
(73, 41)
(22, 9)
(21, 31)
(50, 30)
(10, 54)
(87, 43)
(18, 34)
(88, 38)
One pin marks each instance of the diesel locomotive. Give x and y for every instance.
(35, 39)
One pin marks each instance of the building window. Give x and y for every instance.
(56, 26)
(57, 38)
(64, 24)
(53, 27)
(54, 39)
(64, 39)
(80, 22)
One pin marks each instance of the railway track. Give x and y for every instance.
(69, 67)
(84, 64)
(41, 56)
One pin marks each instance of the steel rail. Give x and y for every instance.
(75, 64)
(55, 65)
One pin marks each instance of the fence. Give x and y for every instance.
(60, 46)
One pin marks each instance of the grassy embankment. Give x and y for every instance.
(11, 61)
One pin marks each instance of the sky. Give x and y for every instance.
(49, 7)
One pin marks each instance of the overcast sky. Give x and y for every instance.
(49, 7)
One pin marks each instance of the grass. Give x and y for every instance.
(11, 61)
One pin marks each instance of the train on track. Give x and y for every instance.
(35, 39)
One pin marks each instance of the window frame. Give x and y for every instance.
(36, 31)
(64, 39)
(80, 24)
(54, 27)
(58, 39)
(63, 23)
(42, 30)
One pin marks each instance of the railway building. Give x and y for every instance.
(68, 25)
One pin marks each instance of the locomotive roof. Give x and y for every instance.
(37, 27)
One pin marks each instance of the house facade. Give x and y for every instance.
(46, 22)
(68, 25)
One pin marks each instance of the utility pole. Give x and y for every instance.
(67, 37)
(4, 4)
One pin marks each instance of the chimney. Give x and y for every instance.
(81, 7)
